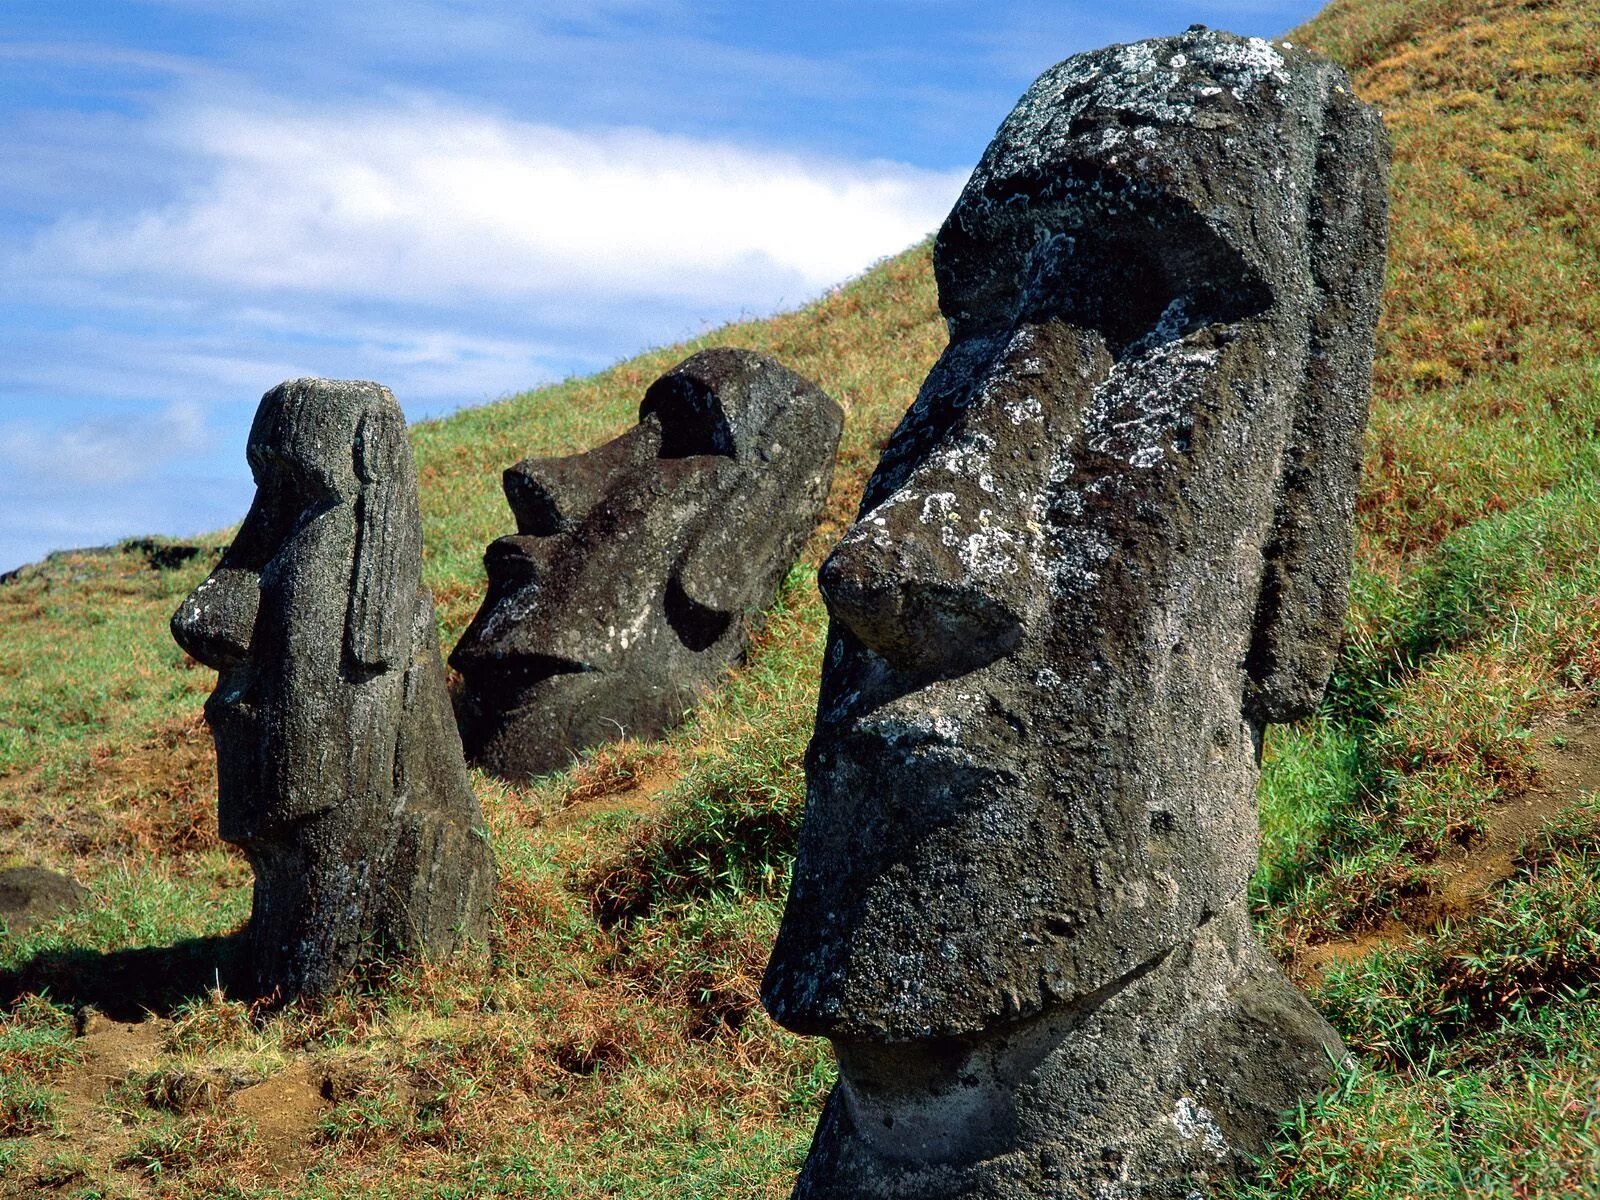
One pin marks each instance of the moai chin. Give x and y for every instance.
(1106, 546)
(627, 589)
(339, 770)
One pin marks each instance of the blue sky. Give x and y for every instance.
(460, 200)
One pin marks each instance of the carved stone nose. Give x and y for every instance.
(215, 622)
(905, 596)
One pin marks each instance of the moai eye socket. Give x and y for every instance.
(691, 415)
(1119, 266)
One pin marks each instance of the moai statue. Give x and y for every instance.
(628, 587)
(339, 769)
(1109, 543)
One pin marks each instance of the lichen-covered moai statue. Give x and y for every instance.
(1108, 544)
(339, 768)
(628, 587)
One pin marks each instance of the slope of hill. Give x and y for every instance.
(1429, 868)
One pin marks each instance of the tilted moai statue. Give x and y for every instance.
(1109, 542)
(339, 769)
(628, 587)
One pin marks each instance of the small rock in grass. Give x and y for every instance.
(30, 896)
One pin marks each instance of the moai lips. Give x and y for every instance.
(628, 587)
(339, 769)
(1109, 542)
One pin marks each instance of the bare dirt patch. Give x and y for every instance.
(1568, 767)
(284, 1111)
(109, 1051)
(281, 1112)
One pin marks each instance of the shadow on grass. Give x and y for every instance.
(127, 984)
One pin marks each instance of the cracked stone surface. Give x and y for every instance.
(1107, 545)
(339, 768)
(638, 567)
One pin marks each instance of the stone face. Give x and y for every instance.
(31, 895)
(629, 585)
(339, 769)
(1109, 542)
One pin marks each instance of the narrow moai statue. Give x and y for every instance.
(1107, 545)
(339, 769)
(630, 584)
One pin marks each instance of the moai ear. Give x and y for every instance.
(1305, 586)
(388, 561)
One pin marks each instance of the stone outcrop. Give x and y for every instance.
(629, 586)
(1106, 546)
(340, 771)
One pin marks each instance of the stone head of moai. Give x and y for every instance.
(627, 589)
(339, 769)
(1106, 546)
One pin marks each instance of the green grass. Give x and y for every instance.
(612, 1044)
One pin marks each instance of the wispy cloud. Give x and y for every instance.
(104, 450)
(454, 253)
(425, 203)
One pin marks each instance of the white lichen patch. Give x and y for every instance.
(1143, 410)
(1195, 1122)
(631, 633)
(991, 552)
(875, 525)
(912, 727)
(1023, 410)
(939, 508)
(1128, 86)
(511, 612)
(1249, 62)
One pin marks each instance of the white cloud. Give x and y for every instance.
(105, 449)
(426, 204)
(222, 241)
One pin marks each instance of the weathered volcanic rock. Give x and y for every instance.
(629, 585)
(1109, 542)
(30, 895)
(339, 768)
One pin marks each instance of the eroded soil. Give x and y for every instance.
(1568, 759)
(95, 1141)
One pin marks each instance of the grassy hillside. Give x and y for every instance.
(1429, 870)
